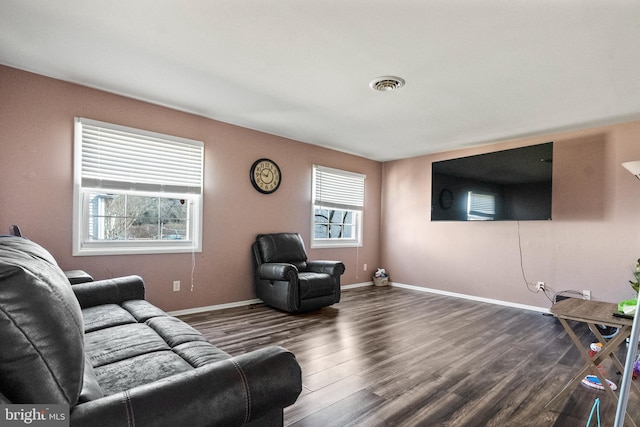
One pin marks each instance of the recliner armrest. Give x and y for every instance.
(109, 291)
(227, 393)
(334, 268)
(276, 271)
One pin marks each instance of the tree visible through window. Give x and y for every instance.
(338, 200)
(135, 191)
(334, 224)
(130, 217)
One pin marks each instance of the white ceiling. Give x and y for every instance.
(476, 71)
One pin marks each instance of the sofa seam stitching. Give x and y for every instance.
(128, 408)
(245, 383)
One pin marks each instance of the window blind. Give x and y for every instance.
(481, 205)
(120, 158)
(338, 189)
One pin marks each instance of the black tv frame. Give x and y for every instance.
(518, 181)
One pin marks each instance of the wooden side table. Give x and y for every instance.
(593, 313)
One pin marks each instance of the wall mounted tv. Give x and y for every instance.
(508, 185)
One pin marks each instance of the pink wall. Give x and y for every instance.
(36, 163)
(592, 242)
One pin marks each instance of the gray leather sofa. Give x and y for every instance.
(117, 360)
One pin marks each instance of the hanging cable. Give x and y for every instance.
(530, 286)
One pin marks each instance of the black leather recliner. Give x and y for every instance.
(285, 279)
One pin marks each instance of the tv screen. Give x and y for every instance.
(508, 185)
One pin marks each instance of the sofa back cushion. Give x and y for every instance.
(41, 331)
(283, 247)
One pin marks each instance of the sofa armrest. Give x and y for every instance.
(276, 271)
(228, 393)
(78, 276)
(334, 268)
(110, 291)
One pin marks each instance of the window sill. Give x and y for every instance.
(328, 244)
(100, 249)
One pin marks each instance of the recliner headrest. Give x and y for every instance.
(282, 247)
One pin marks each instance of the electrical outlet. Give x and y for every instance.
(540, 286)
(586, 294)
(365, 267)
(176, 285)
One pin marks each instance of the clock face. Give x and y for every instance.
(265, 176)
(446, 199)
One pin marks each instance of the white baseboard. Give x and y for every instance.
(359, 285)
(242, 303)
(214, 307)
(471, 297)
(356, 285)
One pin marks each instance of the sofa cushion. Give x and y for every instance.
(174, 331)
(110, 345)
(143, 369)
(200, 353)
(142, 310)
(42, 359)
(108, 315)
(105, 316)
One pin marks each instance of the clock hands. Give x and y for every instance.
(267, 176)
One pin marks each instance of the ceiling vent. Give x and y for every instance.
(386, 83)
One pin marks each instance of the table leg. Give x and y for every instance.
(585, 355)
(622, 335)
(591, 366)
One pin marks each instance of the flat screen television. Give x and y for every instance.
(508, 185)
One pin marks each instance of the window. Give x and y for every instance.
(338, 200)
(481, 207)
(135, 191)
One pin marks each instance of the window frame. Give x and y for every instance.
(84, 246)
(355, 206)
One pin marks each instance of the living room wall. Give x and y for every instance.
(36, 160)
(591, 243)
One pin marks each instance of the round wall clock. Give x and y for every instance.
(446, 198)
(265, 176)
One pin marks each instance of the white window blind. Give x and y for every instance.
(121, 158)
(481, 206)
(338, 189)
(135, 191)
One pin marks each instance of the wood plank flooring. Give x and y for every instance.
(387, 356)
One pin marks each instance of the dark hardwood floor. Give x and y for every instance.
(387, 356)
